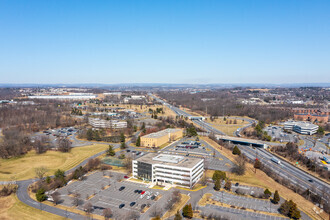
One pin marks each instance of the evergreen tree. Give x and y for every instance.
(123, 145)
(138, 142)
(187, 211)
(217, 185)
(122, 137)
(110, 151)
(236, 151)
(276, 198)
(267, 193)
(219, 175)
(89, 134)
(177, 216)
(40, 195)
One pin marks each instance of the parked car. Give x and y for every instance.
(143, 192)
(132, 204)
(143, 206)
(136, 191)
(236, 184)
(121, 206)
(122, 188)
(153, 197)
(126, 177)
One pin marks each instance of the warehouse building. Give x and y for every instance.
(161, 137)
(172, 169)
(301, 127)
(102, 123)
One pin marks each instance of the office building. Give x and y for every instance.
(301, 127)
(172, 169)
(159, 138)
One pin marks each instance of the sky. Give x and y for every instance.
(169, 41)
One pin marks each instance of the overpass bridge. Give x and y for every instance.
(243, 141)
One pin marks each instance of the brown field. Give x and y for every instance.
(21, 168)
(11, 209)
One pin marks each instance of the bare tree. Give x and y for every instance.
(88, 208)
(133, 215)
(56, 197)
(128, 164)
(107, 213)
(76, 199)
(41, 171)
(64, 144)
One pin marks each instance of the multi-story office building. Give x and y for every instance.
(102, 123)
(173, 169)
(161, 137)
(301, 127)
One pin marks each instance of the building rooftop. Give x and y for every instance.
(170, 160)
(161, 133)
(302, 125)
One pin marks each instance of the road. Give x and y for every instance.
(286, 170)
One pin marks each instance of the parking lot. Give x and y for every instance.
(277, 133)
(213, 159)
(111, 191)
(246, 202)
(230, 213)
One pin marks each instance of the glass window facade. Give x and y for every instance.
(144, 170)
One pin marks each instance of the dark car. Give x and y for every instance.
(136, 191)
(128, 151)
(132, 204)
(236, 184)
(140, 191)
(121, 206)
(310, 180)
(122, 188)
(143, 206)
(153, 197)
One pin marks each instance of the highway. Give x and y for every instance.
(285, 169)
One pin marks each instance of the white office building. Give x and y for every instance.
(301, 127)
(172, 169)
(102, 123)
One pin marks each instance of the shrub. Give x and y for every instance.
(41, 195)
(236, 151)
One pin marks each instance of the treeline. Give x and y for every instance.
(33, 118)
(225, 102)
(257, 132)
(291, 151)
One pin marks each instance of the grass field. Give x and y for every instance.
(262, 180)
(11, 208)
(177, 206)
(228, 129)
(23, 167)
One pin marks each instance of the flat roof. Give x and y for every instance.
(303, 125)
(161, 133)
(170, 160)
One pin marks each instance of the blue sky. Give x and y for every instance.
(248, 41)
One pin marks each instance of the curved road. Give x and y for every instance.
(23, 196)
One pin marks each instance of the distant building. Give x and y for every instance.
(172, 169)
(161, 137)
(311, 114)
(301, 127)
(63, 97)
(102, 123)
